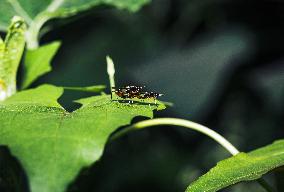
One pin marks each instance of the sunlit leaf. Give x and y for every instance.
(242, 167)
(53, 145)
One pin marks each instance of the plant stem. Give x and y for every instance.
(111, 72)
(32, 35)
(191, 125)
(183, 123)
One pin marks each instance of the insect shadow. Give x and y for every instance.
(127, 101)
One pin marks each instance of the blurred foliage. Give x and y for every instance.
(37, 13)
(221, 64)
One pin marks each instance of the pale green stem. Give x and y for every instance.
(32, 35)
(191, 125)
(183, 123)
(111, 72)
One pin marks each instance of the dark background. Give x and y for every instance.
(219, 61)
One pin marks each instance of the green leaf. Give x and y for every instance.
(36, 13)
(53, 144)
(37, 62)
(242, 167)
(11, 51)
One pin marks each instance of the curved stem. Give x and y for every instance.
(32, 34)
(183, 123)
(191, 125)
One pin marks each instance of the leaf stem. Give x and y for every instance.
(191, 125)
(32, 35)
(183, 123)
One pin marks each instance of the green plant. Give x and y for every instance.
(52, 144)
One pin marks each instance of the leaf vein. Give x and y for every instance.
(54, 5)
(20, 10)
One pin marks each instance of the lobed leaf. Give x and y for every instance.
(242, 167)
(52, 144)
(37, 62)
